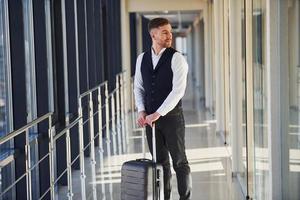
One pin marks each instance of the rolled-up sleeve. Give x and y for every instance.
(139, 91)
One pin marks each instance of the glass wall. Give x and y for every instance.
(49, 54)
(31, 89)
(244, 108)
(6, 172)
(261, 160)
(291, 137)
(5, 79)
(3, 104)
(30, 60)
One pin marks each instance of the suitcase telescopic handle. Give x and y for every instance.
(153, 143)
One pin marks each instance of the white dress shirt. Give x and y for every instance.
(180, 69)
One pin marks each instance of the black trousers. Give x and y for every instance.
(170, 138)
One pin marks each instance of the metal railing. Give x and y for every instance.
(29, 168)
(111, 116)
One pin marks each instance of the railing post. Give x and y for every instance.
(108, 136)
(132, 110)
(69, 164)
(51, 158)
(113, 122)
(121, 104)
(118, 114)
(92, 135)
(101, 150)
(123, 112)
(107, 122)
(81, 150)
(132, 103)
(28, 166)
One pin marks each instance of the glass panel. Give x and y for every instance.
(4, 106)
(7, 181)
(49, 54)
(244, 108)
(261, 167)
(3, 115)
(31, 90)
(292, 141)
(30, 60)
(6, 172)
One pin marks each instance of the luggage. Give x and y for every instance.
(142, 179)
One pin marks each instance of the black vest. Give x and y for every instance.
(157, 82)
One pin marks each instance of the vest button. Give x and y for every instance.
(153, 76)
(152, 91)
(153, 83)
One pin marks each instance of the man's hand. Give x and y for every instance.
(141, 120)
(152, 118)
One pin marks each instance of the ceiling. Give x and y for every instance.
(180, 20)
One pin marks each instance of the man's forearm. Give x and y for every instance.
(152, 118)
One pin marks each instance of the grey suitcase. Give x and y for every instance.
(142, 179)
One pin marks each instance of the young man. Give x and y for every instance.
(160, 82)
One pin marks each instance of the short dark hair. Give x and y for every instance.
(157, 22)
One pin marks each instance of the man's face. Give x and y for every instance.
(162, 36)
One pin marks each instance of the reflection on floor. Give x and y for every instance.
(209, 161)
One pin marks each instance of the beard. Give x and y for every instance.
(168, 43)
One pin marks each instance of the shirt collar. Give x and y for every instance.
(159, 54)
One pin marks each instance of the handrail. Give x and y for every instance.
(61, 133)
(114, 115)
(24, 128)
(28, 165)
(112, 92)
(93, 89)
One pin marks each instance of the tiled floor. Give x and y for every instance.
(208, 158)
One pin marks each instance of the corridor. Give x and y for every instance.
(208, 157)
(67, 109)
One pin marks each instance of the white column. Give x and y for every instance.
(297, 51)
(236, 83)
(274, 95)
(125, 36)
(212, 56)
(285, 97)
(201, 75)
(207, 51)
(297, 44)
(139, 34)
(249, 97)
(196, 65)
(225, 53)
(125, 27)
(189, 39)
(219, 69)
(293, 21)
